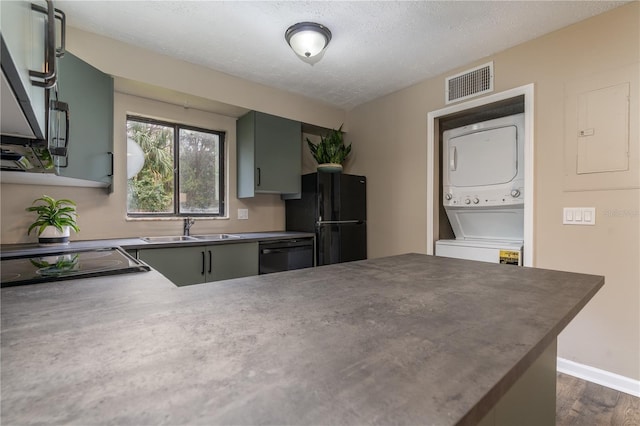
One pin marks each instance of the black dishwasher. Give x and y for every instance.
(286, 255)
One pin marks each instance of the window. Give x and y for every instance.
(183, 171)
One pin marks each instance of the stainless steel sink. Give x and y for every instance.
(169, 239)
(211, 237)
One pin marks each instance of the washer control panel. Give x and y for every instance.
(483, 198)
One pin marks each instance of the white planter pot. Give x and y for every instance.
(52, 235)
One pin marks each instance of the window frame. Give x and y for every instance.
(176, 169)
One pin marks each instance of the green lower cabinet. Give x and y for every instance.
(182, 265)
(233, 261)
(201, 264)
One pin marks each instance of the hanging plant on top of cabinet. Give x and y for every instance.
(330, 152)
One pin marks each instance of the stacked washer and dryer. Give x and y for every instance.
(483, 190)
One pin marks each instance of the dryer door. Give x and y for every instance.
(486, 157)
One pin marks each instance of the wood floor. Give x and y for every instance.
(583, 403)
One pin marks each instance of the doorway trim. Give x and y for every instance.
(433, 154)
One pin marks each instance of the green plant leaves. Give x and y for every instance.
(58, 213)
(331, 148)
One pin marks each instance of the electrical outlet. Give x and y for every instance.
(243, 213)
(579, 216)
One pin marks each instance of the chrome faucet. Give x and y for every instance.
(188, 222)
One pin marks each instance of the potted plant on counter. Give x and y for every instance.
(330, 152)
(55, 219)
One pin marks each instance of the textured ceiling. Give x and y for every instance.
(377, 47)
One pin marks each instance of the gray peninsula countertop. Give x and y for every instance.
(408, 339)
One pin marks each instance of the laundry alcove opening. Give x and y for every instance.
(502, 108)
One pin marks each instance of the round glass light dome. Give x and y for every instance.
(135, 158)
(308, 39)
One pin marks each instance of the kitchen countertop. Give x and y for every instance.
(409, 339)
(7, 250)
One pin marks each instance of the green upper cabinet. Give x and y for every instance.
(89, 93)
(269, 150)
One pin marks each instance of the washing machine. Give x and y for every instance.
(506, 252)
(483, 190)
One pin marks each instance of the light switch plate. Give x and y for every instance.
(579, 216)
(243, 214)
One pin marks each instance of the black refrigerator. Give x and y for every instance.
(334, 207)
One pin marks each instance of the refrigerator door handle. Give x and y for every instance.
(338, 222)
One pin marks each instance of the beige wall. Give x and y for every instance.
(390, 134)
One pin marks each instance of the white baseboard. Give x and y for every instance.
(601, 377)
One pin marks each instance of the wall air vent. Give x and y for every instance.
(470, 83)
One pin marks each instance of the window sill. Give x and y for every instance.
(173, 218)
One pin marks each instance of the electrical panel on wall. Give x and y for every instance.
(603, 130)
(601, 148)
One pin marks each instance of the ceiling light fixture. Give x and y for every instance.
(308, 40)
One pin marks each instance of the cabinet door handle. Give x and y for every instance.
(210, 261)
(111, 173)
(259, 177)
(49, 75)
(57, 143)
(60, 51)
(202, 253)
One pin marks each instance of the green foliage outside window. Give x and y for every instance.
(199, 173)
(200, 184)
(151, 190)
